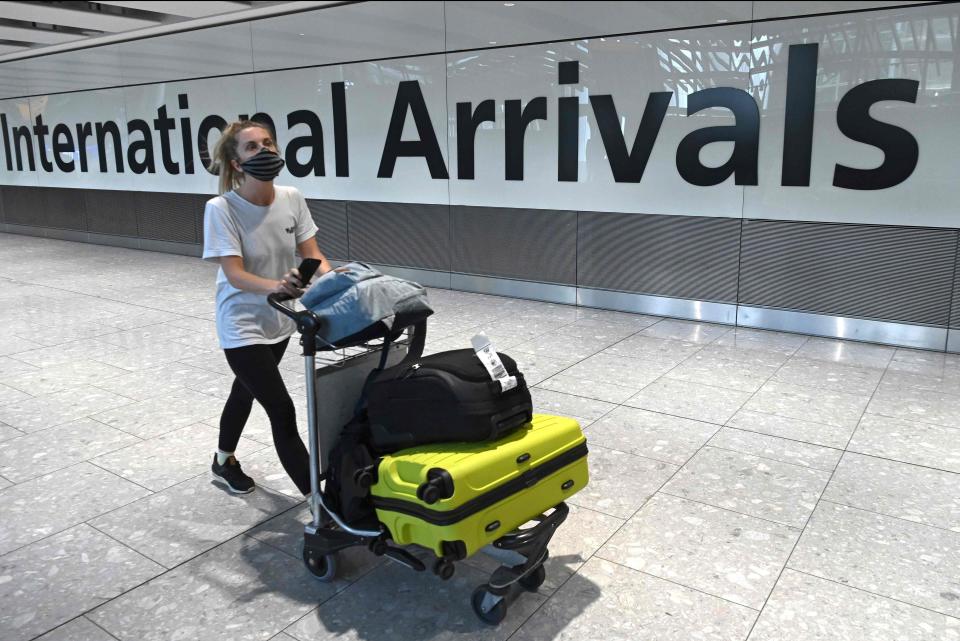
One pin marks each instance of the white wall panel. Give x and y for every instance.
(228, 97)
(14, 81)
(912, 44)
(17, 114)
(763, 10)
(78, 70)
(70, 109)
(370, 91)
(362, 31)
(215, 51)
(480, 24)
(628, 68)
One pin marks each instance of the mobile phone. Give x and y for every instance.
(307, 269)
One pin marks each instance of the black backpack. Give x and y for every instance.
(351, 470)
(442, 398)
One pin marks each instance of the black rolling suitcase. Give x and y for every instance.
(442, 398)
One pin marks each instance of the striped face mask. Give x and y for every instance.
(265, 166)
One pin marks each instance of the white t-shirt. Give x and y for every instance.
(266, 237)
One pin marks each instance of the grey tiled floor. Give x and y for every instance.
(745, 484)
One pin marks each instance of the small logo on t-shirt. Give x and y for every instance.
(290, 230)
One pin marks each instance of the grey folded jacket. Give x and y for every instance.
(351, 301)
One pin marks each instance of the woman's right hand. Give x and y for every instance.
(289, 285)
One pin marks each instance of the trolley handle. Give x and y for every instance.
(307, 322)
(276, 301)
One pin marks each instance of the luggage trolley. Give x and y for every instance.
(521, 553)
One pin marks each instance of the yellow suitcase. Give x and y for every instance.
(455, 498)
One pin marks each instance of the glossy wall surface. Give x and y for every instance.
(873, 264)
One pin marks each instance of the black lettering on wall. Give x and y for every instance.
(568, 130)
(145, 145)
(164, 125)
(798, 116)
(63, 144)
(467, 123)
(6, 142)
(102, 129)
(899, 147)
(207, 125)
(745, 134)
(84, 131)
(312, 141)
(515, 129)
(186, 134)
(409, 97)
(41, 130)
(627, 161)
(22, 133)
(629, 167)
(340, 141)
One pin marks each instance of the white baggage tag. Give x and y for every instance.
(508, 383)
(491, 361)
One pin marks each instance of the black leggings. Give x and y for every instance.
(258, 377)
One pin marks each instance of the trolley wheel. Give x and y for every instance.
(534, 580)
(444, 569)
(495, 614)
(364, 479)
(322, 566)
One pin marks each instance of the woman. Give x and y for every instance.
(253, 229)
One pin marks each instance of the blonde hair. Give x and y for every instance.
(226, 150)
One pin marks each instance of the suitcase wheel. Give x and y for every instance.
(490, 608)
(534, 580)
(322, 566)
(444, 569)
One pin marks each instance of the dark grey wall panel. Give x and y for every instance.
(167, 247)
(402, 234)
(955, 298)
(128, 242)
(64, 208)
(878, 272)
(199, 218)
(66, 234)
(111, 212)
(679, 256)
(331, 218)
(167, 216)
(898, 274)
(528, 244)
(23, 205)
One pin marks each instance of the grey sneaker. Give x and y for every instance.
(232, 476)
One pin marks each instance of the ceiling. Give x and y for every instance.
(27, 28)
